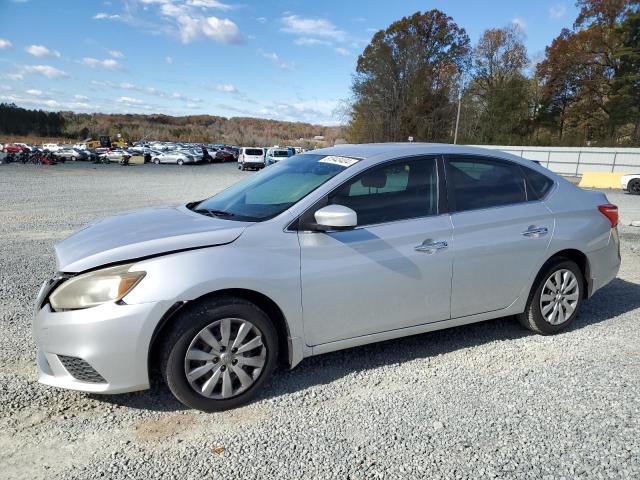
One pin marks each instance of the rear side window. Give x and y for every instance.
(396, 191)
(538, 184)
(476, 183)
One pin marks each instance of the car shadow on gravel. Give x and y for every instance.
(615, 299)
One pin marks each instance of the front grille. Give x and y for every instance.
(81, 370)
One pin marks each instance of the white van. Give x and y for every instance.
(52, 147)
(251, 158)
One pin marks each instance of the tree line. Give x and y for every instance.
(15, 120)
(413, 76)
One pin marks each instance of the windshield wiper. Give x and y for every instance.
(214, 213)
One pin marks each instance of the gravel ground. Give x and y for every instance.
(486, 400)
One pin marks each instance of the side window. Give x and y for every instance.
(476, 183)
(538, 184)
(395, 191)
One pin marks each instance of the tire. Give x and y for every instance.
(156, 161)
(180, 162)
(634, 186)
(534, 317)
(186, 336)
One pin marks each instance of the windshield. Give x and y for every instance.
(273, 190)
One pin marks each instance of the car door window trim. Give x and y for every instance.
(486, 158)
(294, 226)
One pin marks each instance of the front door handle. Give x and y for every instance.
(535, 232)
(430, 246)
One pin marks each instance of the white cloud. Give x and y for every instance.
(342, 51)
(107, 16)
(519, 23)
(45, 70)
(261, 20)
(227, 88)
(108, 64)
(34, 93)
(42, 51)
(4, 44)
(81, 98)
(116, 53)
(168, 60)
(312, 27)
(209, 4)
(130, 101)
(277, 61)
(220, 30)
(557, 11)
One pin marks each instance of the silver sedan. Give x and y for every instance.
(176, 157)
(331, 249)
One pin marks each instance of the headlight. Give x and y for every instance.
(95, 288)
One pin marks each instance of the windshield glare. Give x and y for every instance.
(272, 190)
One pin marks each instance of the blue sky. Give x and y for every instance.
(281, 59)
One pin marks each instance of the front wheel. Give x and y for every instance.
(634, 186)
(180, 162)
(156, 161)
(555, 299)
(219, 354)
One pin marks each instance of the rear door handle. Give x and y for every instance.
(430, 246)
(535, 232)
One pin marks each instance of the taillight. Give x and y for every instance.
(611, 212)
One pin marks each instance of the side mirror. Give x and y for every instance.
(335, 217)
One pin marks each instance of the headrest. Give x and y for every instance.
(375, 179)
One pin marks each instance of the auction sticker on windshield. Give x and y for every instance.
(342, 161)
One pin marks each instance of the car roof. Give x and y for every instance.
(372, 153)
(383, 150)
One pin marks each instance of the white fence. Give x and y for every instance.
(574, 161)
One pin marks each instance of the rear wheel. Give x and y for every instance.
(634, 186)
(555, 298)
(156, 161)
(219, 354)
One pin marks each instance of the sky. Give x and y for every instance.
(281, 59)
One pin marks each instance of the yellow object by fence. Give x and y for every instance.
(601, 180)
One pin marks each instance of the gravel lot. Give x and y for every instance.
(486, 400)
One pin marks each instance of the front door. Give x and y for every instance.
(391, 272)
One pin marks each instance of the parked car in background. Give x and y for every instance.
(177, 157)
(275, 154)
(196, 153)
(72, 154)
(251, 158)
(224, 155)
(631, 183)
(115, 155)
(14, 148)
(332, 249)
(51, 147)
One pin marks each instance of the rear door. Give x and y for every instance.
(393, 270)
(501, 232)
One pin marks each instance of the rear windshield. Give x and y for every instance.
(280, 153)
(253, 151)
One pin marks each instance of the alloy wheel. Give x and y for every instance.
(559, 297)
(225, 358)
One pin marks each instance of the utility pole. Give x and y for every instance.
(455, 135)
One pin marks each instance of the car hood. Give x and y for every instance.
(142, 233)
